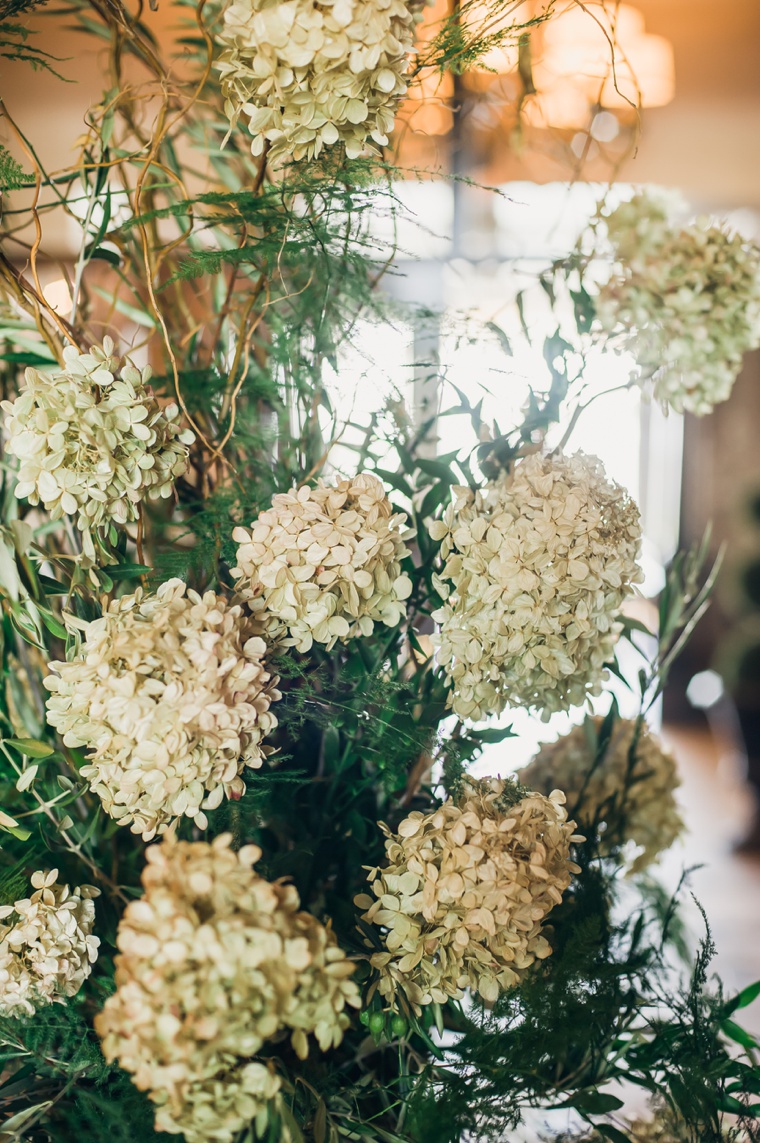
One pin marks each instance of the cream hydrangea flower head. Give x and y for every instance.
(663, 1129)
(93, 441)
(664, 1126)
(629, 788)
(324, 564)
(687, 299)
(312, 73)
(668, 1127)
(213, 962)
(46, 944)
(171, 697)
(536, 568)
(640, 225)
(464, 892)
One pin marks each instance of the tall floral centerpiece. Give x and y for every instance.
(260, 881)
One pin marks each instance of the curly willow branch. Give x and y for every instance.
(162, 129)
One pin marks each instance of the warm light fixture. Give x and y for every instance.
(588, 61)
(598, 56)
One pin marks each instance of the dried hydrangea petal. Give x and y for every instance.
(536, 568)
(93, 441)
(46, 944)
(629, 789)
(463, 895)
(311, 73)
(686, 299)
(324, 564)
(170, 695)
(213, 962)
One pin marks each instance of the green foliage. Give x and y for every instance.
(607, 1007)
(12, 175)
(54, 1058)
(244, 297)
(9, 9)
(14, 39)
(474, 29)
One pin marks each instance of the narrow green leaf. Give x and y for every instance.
(491, 736)
(104, 254)
(594, 1102)
(128, 571)
(32, 747)
(743, 998)
(739, 1035)
(54, 626)
(610, 1132)
(21, 1117)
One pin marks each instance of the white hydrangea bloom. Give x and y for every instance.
(688, 297)
(536, 568)
(171, 697)
(628, 790)
(323, 564)
(46, 945)
(215, 961)
(465, 890)
(640, 225)
(93, 441)
(311, 73)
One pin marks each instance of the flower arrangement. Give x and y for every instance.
(536, 567)
(179, 609)
(170, 695)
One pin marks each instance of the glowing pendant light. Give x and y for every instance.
(599, 55)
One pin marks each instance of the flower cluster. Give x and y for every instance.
(465, 889)
(626, 786)
(46, 945)
(640, 225)
(93, 441)
(323, 564)
(663, 1129)
(687, 301)
(215, 961)
(665, 1126)
(170, 694)
(536, 568)
(311, 73)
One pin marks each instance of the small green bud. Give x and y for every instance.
(377, 1023)
(398, 1026)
